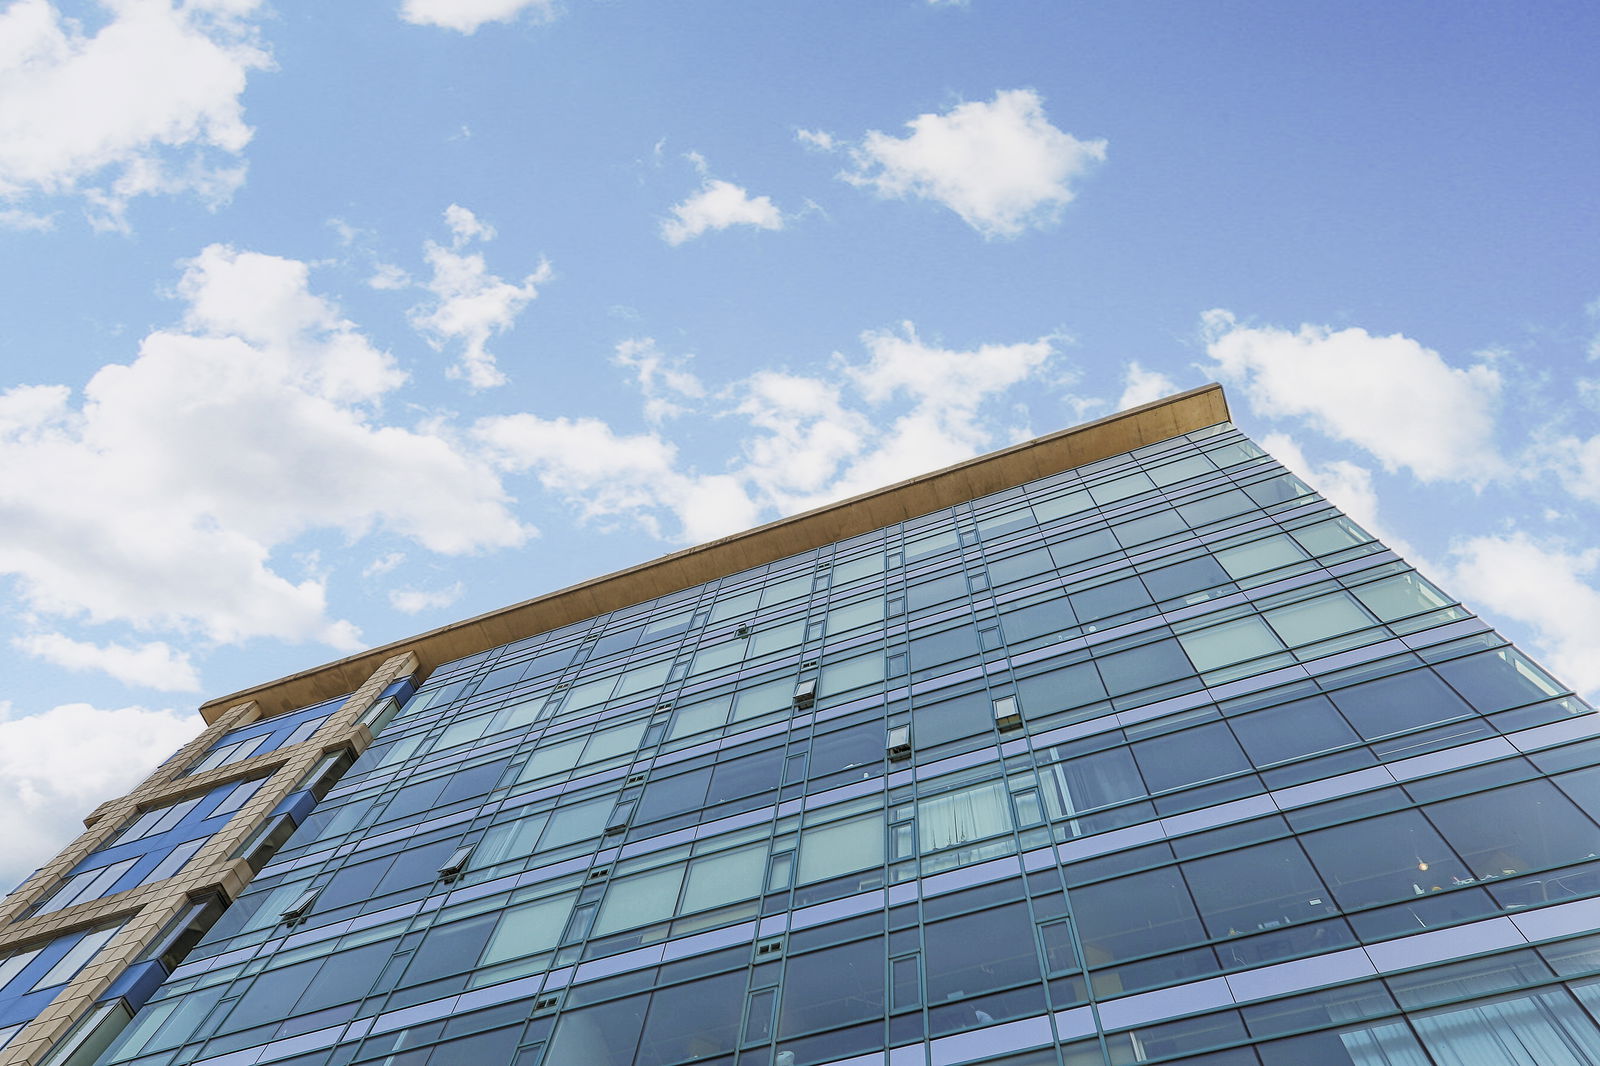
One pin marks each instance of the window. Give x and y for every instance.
(154, 821)
(77, 957)
(90, 884)
(963, 816)
(841, 847)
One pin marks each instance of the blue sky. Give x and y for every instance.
(325, 323)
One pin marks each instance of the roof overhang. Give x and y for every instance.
(1051, 454)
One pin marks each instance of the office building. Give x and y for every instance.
(1118, 746)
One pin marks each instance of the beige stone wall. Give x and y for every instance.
(147, 909)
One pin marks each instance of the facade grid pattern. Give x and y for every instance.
(1159, 759)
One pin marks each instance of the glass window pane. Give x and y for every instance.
(528, 928)
(1071, 686)
(978, 953)
(1183, 758)
(1112, 598)
(610, 743)
(1136, 915)
(1231, 642)
(1137, 668)
(1257, 557)
(1183, 579)
(841, 847)
(832, 987)
(1037, 620)
(578, 822)
(963, 816)
(603, 1035)
(726, 877)
(1394, 857)
(698, 717)
(1546, 1029)
(1400, 702)
(1400, 596)
(937, 723)
(1336, 534)
(1061, 506)
(1318, 619)
(1496, 680)
(1256, 888)
(1503, 832)
(850, 616)
(692, 1022)
(640, 900)
(1292, 730)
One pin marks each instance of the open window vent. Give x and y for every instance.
(805, 694)
(456, 864)
(898, 747)
(1007, 715)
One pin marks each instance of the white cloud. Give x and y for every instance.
(69, 123)
(470, 305)
(1545, 586)
(1576, 459)
(909, 408)
(606, 474)
(666, 382)
(717, 205)
(819, 140)
(1000, 164)
(159, 499)
(18, 219)
(1346, 485)
(57, 766)
(414, 601)
(154, 665)
(1592, 310)
(388, 277)
(1390, 395)
(1140, 386)
(466, 16)
(383, 564)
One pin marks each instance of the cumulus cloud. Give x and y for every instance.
(414, 601)
(1548, 587)
(909, 407)
(149, 104)
(1140, 386)
(383, 564)
(666, 382)
(717, 205)
(57, 766)
(158, 498)
(819, 140)
(999, 164)
(466, 16)
(469, 304)
(1346, 485)
(154, 665)
(1576, 459)
(1389, 395)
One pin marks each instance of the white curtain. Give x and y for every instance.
(963, 816)
(1544, 1029)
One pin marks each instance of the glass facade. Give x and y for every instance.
(1161, 759)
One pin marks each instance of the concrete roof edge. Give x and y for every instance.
(982, 475)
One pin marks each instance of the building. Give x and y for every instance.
(1118, 746)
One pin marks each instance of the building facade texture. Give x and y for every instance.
(1159, 758)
